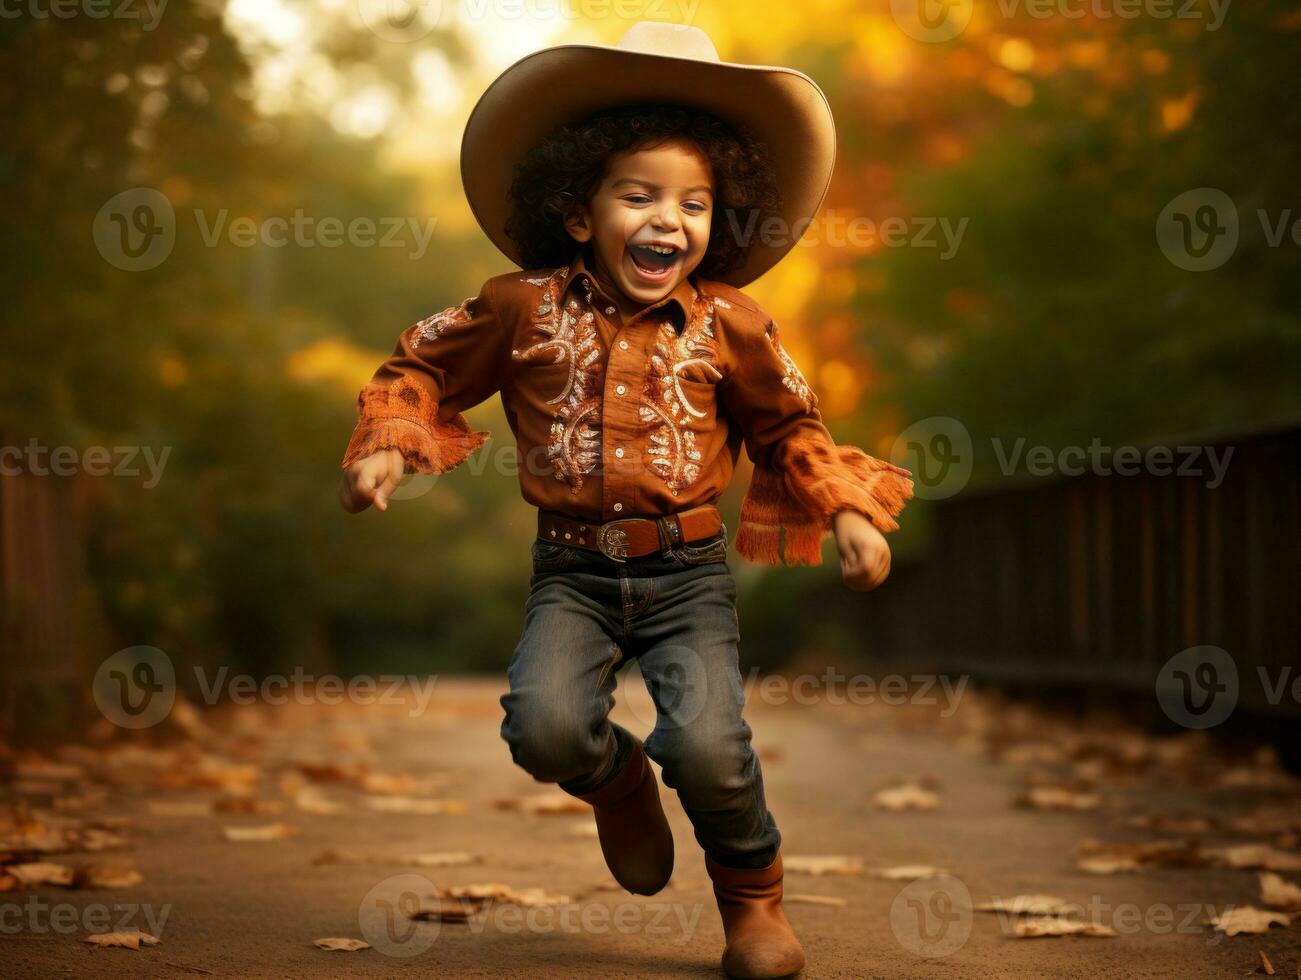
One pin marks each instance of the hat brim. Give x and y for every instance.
(560, 85)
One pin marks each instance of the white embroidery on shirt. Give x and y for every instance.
(665, 407)
(574, 443)
(792, 378)
(432, 327)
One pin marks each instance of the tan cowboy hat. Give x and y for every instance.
(653, 62)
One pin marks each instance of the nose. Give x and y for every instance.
(666, 216)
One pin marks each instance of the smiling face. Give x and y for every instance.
(648, 221)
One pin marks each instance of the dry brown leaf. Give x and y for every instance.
(443, 859)
(312, 801)
(830, 864)
(501, 893)
(1041, 905)
(410, 804)
(545, 804)
(269, 832)
(909, 796)
(452, 912)
(1107, 865)
(107, 876)
(126, 940)
(1057, 798)
(1171, 824)
(1250, 920)
(909, 872)
(1266, 967)
(1034, 928)
(1278, 893)
(831, 900)
(42, 873)
(341, 945)
(1256, 856)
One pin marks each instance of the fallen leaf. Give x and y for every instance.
(1034, 928)
(835, 864)
(341, 945)
(1266, 967)
(910, 796)
(126, 940)
(248, 805)
(410, 804)
(274, 831)
(1107, 865)
(545, 804)
(1172, 825)
(443, 859)
(1249, 919)
(458, 912)
(1044, 905)
(107, 876)
(909, 872)
(1278, 893)
(830, 900)
(1057, 798)
(42, 873)
(502, 893)
(1254, 856)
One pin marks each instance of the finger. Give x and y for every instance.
(386, 485)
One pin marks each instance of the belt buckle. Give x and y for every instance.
(613, 542)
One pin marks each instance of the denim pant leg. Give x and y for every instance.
(686, 642)
(562, 682)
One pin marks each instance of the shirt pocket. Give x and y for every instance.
(699, 401)
(545, 381)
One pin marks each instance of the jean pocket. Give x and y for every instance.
(711, 550)
(551, 557)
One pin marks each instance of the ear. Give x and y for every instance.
(579, 223)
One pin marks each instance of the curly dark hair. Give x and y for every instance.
(566, 166)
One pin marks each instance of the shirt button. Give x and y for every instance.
(619, 452)
(618, 507)
(623, 345)
(619, 389)
(609, 311)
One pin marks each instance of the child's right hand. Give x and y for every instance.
(371, 480)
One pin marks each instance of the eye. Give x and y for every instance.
(701, 208)
(637, 199)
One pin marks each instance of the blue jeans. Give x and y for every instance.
(586, 617)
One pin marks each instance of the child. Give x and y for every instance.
(631, 367)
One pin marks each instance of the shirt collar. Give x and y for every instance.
(677, 303)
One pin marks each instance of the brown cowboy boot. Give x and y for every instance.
(635, 836)
(760, 942)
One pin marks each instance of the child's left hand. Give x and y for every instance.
(864, 553)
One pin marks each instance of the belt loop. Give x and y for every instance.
(666, 544)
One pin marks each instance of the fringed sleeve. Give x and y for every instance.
(801, 477)
(442, 365)
(797, 499)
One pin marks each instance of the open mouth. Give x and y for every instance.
(654, 263)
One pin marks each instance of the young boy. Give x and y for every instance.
(631, 368)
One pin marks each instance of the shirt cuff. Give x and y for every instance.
(797, 497)
(404, 416)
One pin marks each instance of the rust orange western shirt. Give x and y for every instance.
(628, 417)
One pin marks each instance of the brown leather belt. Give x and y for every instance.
(631, 537)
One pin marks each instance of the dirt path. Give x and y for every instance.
(253, 909)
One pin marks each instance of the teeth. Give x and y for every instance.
(662, 249)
